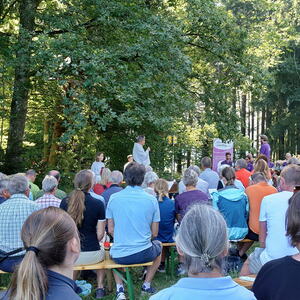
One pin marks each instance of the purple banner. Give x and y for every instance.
(219, 151)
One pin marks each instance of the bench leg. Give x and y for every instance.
(172, 250)
(129, 284)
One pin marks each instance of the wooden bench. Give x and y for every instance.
(245, 283)
(109, 264)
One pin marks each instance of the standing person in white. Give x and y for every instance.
(98, 165)
(140, 155)
(272, 227)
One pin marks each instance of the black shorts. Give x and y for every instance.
(252, 236)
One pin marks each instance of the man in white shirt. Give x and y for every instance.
(272, 230)
(140, 155)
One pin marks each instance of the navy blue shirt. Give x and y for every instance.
(114, 188)
(2, 199)
(94, 211)
(60, 287)
(167, 220)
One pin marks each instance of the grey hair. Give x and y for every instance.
(196, 169)
(4, 185)
(241, 163)
(148, 169)
(140, 138)
(221, 168)
(258, 177)
(30, 172)
(293, 161)
(190, 177)
(3, 176)
(206, 162)
(202, 237)
(150, 177)
(49, 184)
(116, 177)
(18, 184)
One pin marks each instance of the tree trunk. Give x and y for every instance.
(258, 129)
(57, 133)
(243, 115)
(13, 160)
(263, 120)
(46, 139)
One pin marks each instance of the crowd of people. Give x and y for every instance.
(45, 233)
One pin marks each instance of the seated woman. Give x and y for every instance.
(233, 204)
(104, 183)
(262, 167)
(89, 216)
(202, 241)
(279, 278)
(237, 183)
(149, 181)
(167, 217)
(52, 246)
(190, 196)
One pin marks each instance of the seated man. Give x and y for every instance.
(58, 193)
(116, 178)
(241, 172)
(14, 211)
(133, 219)
(258, 189)
(272, 232)
(34, 189)
(201, 184)
(49, 186)
(208, 175)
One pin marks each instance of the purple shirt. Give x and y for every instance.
(186, 199)
(227, 162)
(265, 149)
(250, 166)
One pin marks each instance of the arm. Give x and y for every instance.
(154, 229)
(100, 229)
(178, 218)
(262, 233)
(111, 226)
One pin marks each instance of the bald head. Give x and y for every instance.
(55, 174)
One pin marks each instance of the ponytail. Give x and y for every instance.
(29, 281)
(45, 235)
(76, 206)
(161, 188)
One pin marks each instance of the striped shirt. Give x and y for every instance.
(48, 200)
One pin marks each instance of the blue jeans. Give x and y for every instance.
(9, 264)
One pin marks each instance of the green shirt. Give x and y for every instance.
(59, 194)
(34, 190)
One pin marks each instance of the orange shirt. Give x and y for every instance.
(243, 175)
(255, 195)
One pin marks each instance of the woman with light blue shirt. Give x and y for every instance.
(202, 241)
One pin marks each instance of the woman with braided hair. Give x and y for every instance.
(202, 241)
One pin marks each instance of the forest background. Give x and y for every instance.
(81, 76)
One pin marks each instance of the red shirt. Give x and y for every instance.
(243, 175)
(99, 188)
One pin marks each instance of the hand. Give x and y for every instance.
(148, 149)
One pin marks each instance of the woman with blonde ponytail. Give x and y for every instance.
(89, 216)
(52, 246)
(167, 216)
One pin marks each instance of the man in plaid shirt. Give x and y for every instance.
(13, 213)
(49, 186)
